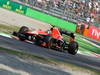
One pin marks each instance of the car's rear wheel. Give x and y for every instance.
(22, 33)
(23, 29)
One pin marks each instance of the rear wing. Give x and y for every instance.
(67, 33)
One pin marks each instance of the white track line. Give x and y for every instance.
(6, 35)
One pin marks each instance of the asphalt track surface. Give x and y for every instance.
(79, 60)
(12, 65)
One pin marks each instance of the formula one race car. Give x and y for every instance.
(51, 39)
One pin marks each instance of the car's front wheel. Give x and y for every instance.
(73, 48)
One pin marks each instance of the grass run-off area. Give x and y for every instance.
(8, 28)
(85, 46)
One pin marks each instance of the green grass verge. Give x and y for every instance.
(8, 28)
(48, 61)
(85, 46)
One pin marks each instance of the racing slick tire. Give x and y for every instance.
(73, 48)
(23, 29)
(21, 34)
